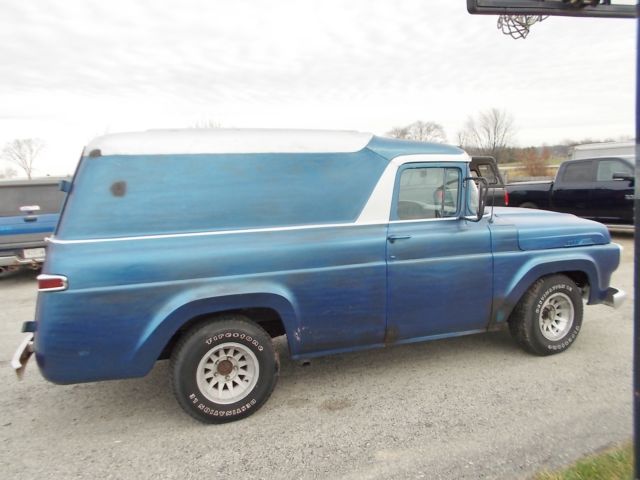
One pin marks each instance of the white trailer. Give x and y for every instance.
(606, 149)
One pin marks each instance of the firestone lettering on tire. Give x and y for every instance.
(240, 336)
(222, 413)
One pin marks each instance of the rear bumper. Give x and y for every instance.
(22, 355)
(15, 256)
(614, 298)
(14, 260)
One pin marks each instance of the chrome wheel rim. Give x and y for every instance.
(227, 373)
(556, 317)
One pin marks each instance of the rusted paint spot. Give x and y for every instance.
(390, 335)
(119, 189)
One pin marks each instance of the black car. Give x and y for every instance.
(600, 189)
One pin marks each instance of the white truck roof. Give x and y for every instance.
(219, 140)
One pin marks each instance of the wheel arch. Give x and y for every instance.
(582, 271)
(273, 312)
(267, 318)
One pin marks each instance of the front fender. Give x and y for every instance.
(509, 295)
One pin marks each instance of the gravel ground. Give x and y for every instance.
(471, 407)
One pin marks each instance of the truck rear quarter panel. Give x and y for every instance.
(327, 284)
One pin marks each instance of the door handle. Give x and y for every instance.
(29, 210)
(393, 238)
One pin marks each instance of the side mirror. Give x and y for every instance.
(476, 188)
(624, 176)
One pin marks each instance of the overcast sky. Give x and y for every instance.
(74, 69)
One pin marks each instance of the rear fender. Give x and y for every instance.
(187, 306)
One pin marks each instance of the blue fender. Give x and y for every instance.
(536, 268)
(188, 305)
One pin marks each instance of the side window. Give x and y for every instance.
(606, 169)
(428, 192)
(578, 172)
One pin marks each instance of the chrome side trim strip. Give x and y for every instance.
(424, 220)
(211, 233)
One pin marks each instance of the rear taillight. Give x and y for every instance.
(51, 283)
(506, 198)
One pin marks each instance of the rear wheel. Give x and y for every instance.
(548, 318)
(224, 370)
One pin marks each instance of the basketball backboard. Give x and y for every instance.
(567, 8)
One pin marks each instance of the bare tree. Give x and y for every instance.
(206, 124)
(491, 132)
(398, 132)
(22, 153)
(420, 131)
(8, 172)
(463, 140)
(535, 160)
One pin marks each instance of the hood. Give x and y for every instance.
(541, 229)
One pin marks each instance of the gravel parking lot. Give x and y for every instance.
(471, 407)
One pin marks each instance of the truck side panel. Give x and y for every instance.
(327, 284)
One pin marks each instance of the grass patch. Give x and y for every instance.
(612, 464)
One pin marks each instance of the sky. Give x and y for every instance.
(75, 69)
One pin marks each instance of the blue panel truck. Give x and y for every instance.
(202, 245)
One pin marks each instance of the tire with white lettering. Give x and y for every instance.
(224, 370)
(548, 318)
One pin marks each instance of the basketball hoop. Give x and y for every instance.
(517, 26)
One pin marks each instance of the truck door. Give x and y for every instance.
(571, 192)
(439, 267)
(612, 199)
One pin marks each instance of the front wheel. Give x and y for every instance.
(548, 318)
(224, 370)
